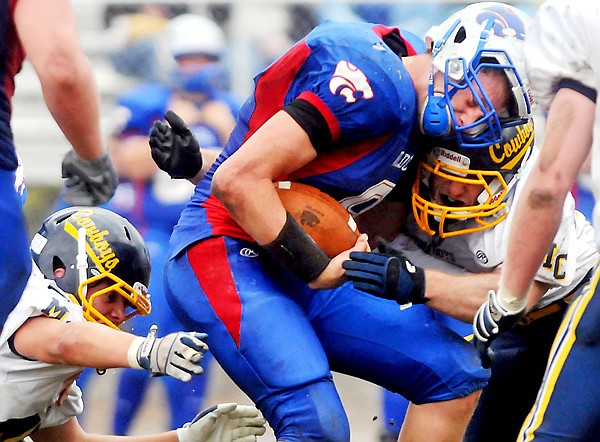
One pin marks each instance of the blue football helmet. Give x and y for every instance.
(481, 37)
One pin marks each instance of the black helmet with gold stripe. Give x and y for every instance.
(80, 246)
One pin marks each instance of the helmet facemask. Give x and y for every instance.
(137, 297)
(494, 169)
(441, 219)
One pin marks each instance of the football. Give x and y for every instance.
(323, 218)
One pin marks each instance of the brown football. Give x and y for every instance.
(321, 216)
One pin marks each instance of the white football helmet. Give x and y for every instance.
(482, 36)
(192, 34)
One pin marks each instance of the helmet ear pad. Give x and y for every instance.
(436, 119)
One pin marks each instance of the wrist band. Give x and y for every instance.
(133, 351)
(510, 301)
(297, 251)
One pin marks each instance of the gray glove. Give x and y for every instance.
(88, 183)
(177, 354)
(224, 423)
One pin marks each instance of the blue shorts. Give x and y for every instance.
(568, 402)
(279, 340)
(15, 258)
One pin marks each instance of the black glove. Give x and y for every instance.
(174, 149)
(88, 183)
(491, 320)
(388, 275)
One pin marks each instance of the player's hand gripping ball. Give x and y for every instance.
(324, 219)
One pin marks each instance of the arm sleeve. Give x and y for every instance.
(559, 50)
(312, 121)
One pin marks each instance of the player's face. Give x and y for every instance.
(466, 107)
(454, 194)
(112, 305)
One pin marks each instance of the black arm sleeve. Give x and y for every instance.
(313, 123)
(577, 86)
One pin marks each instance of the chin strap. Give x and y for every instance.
(435, 119)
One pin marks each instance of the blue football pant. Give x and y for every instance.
(279, 340)
(15, 258)
(184, 398)
(395, 405)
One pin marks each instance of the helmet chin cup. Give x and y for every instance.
(436, 119)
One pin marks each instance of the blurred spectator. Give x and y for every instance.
(150, 200)
(416, 17)
(197, 89)
(137, 31)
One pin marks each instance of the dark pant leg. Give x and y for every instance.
(520, 360)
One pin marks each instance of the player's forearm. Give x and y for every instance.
(97, 346)
(255, 206)
(529, 241)
(458, 296)
(85, 344)
(170, 436)
(49, 34)
(73, 101)
(244, 182)
(71, 431)
(538, 211)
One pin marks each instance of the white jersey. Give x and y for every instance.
(562, 44)
(573, 253)
(29, 389)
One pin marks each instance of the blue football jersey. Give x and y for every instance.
(364, 93)
(12, 55)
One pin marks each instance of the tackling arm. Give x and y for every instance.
(390, 275)
(223, 423)
(50, 37)
(244, 182)
(460, 296)
(89, 344)
(567, 143)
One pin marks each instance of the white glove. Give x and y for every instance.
(176, 355)
(224, 423)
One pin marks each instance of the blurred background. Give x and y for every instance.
(126, 43)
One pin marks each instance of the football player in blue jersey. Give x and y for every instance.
(47, 34)
(340, 111)
(152, 201)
